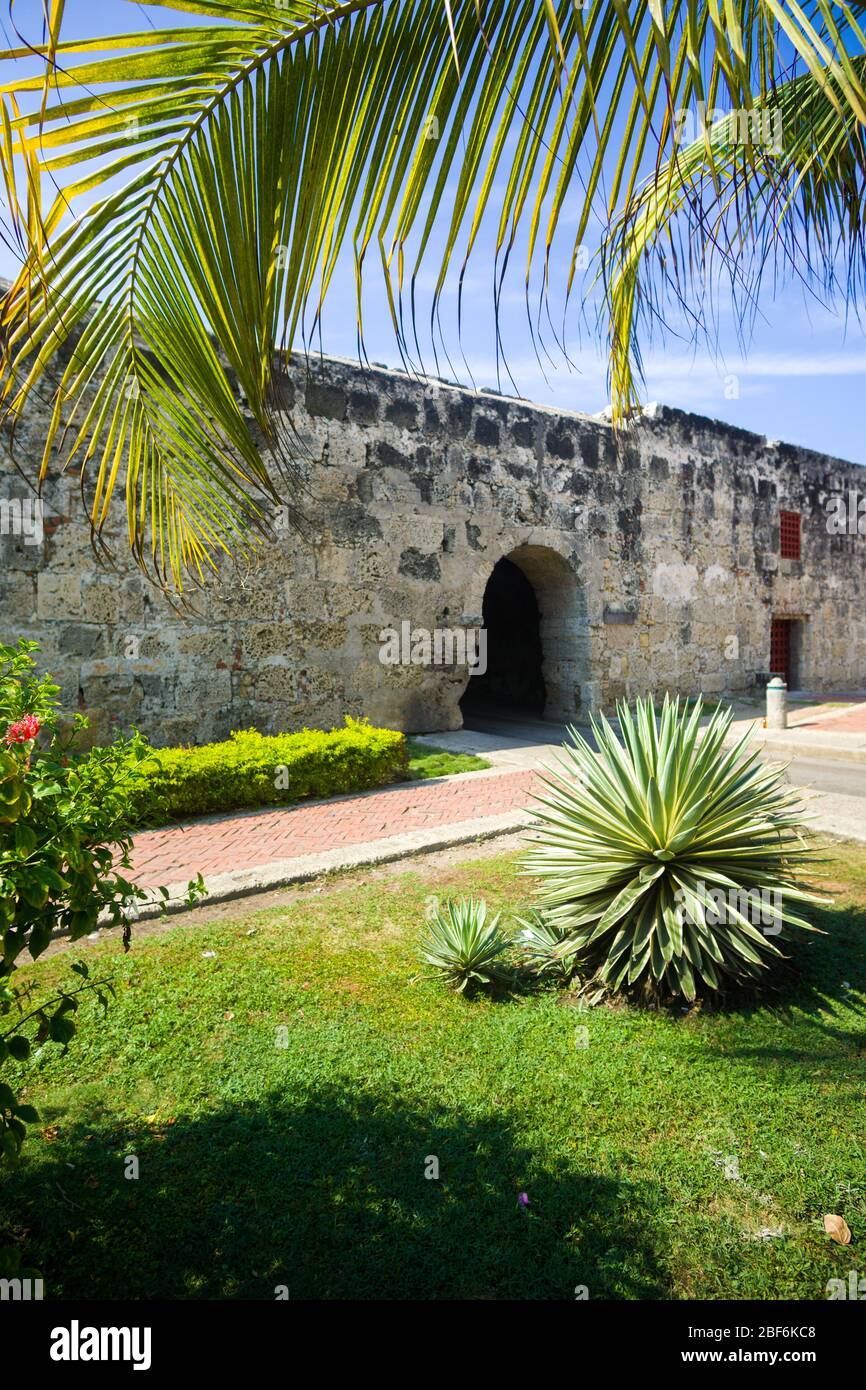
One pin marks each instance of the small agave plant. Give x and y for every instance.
(669, 861)
(463, 944)
(541, 941)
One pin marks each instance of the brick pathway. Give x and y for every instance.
(853, 723)
(249, 839)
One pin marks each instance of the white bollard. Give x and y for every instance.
(777, 704)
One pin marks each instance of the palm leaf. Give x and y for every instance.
(718, 212)
(205, 198)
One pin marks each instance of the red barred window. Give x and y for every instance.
(780, 647)
(789, 535)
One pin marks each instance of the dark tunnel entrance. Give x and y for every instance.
(513, 683)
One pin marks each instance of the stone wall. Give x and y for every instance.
(655, 562)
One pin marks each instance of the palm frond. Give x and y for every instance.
(208, 177)
(720, 213)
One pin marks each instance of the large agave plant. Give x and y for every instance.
(671, 861)
(464, 944)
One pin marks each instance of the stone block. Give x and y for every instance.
(58, 596)
(325, 400)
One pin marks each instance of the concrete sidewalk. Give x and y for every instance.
(818, 732)
(254, 851)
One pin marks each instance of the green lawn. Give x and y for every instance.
(425, 760)
(654, 1157)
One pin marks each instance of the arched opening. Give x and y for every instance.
(512, 683)
(537, 640)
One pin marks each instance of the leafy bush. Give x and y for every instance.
(64, 836)
(462, 945)
(653, 854)
(252, 769)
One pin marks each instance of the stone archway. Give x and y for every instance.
(536, 590)
(511, 682)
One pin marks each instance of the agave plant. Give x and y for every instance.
(463, 944)
(541, 941)
(669, 860)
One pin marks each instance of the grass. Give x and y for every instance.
(657, 1158)
(425, 761)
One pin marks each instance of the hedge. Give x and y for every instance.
(251, 769)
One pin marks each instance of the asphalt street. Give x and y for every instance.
(846, 778)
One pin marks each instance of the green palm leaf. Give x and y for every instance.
(718, 212)
(210, 177)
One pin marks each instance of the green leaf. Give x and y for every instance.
(167, 264)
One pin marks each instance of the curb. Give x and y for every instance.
(817, 752)
(791, 748)
(281, 873)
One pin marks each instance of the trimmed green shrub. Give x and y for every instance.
(253, 769)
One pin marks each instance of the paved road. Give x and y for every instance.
(848, 779)
(845, 779)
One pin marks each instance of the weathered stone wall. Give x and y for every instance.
(656, 565)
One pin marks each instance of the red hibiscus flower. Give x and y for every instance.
(23, 730)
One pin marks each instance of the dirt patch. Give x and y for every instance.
(349, 987)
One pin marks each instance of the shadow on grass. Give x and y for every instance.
(818, 970)
(822, 975)
(329, 1198)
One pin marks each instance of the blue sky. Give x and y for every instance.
(799, 379)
